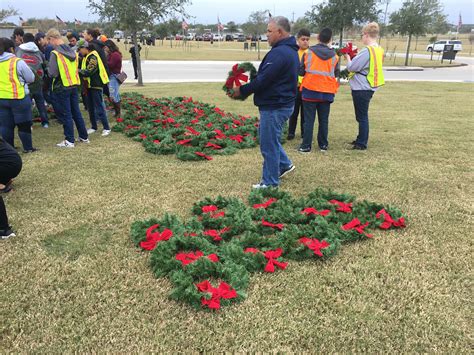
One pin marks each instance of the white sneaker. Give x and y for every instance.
(106, 132)
(90, 131)
(260, 186)
(65, 144)
(81, 140)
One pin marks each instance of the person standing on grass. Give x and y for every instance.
(274, 90)
(320, 69)
(10, 167)
(302, 38)
(63, 69)
(114, 61)
(95, 74)
(134, 58)
(15, 101)
(31, 54)
(366, 76)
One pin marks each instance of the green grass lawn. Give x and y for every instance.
(73, 281)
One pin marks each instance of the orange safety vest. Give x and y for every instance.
(10, 85)
(320, 74)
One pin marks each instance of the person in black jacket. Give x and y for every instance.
(92, 37)
(10, 167)
(134, 58)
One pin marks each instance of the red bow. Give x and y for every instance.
(238, 138)
(184, 142)
(271, 256)
(389, 221)
(192, 131)
(251, 250)
(311, 210)
(314, 244)
(357, 226)
(212, 145)
(265, 204)
(119, 120)
(223, 291)
(343, 207)
(349, 50)
(272, 225)
(201, 154)
(143, 136)
(219, 134)
(209, 208)
(236, 76)
(188, 258)
(216, 235)
(153, 238)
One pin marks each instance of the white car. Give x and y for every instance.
(216, 37)
(438, 46)
(335, 44)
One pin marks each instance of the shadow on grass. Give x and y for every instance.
(75, 242)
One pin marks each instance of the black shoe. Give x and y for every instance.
(290, 137)
(358, 147)
(7, 233)
(32, 150)
(304, 150)
(286, 171)
(324, 148)
(8, 187)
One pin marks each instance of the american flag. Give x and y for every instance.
(184, 25)
(220, 26)
(59, 20)
(77, 22)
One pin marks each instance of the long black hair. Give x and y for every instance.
(112, 46)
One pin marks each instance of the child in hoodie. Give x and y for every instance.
(31, 54)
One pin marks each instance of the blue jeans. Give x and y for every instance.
(16, 112)
(66, 106)
(96, 107)
(39, 101)
(114, 88)
(310, 108)
(274, 156)
(361, 99)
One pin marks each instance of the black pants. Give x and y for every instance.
(10, 167)
(294, 117)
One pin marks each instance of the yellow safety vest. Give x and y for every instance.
(301, 53)
(102, 72)
(68, 70)
(10, 85)
(375, 76)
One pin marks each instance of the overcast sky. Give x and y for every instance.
(206, 11)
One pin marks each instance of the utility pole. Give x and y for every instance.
(293, 13)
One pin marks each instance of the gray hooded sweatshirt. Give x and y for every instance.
(33, 57)
(53, 68)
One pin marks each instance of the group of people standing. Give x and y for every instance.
(47, 70)
(295, 77)
(44, 69)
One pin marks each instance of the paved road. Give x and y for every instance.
(216, 71)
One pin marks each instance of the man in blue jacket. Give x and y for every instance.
(274, 89)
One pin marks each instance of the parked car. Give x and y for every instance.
(438, 46)
(229, 38)
(178, 37)
(241, 38)
(190, 36)
(198, 38)
(207, 37)
(217, 37)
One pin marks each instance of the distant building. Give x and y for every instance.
(7, 30)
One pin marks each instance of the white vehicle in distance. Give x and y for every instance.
(217, 37)
(190, 36)
(118, 35)
(438, 46)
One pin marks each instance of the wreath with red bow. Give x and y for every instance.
(348, 49)
(237, 76)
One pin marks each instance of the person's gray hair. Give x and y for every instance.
(282, 22)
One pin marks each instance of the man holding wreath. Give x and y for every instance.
(274, 90)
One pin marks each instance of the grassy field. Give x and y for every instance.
(177, 50)
(73, 282)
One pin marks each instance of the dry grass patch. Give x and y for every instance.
(73, 281)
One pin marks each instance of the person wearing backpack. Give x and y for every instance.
(365, 77)
(32, 55)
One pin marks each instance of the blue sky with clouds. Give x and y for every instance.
(206, 11)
